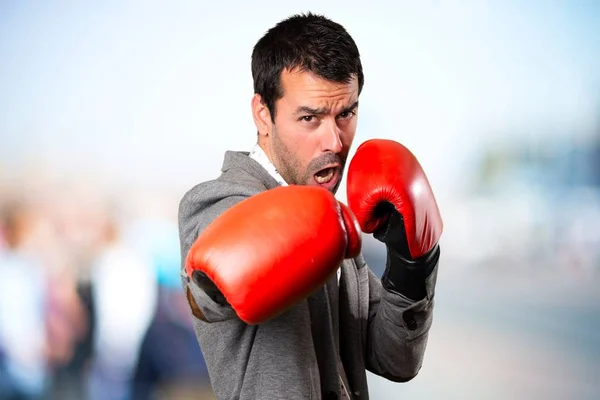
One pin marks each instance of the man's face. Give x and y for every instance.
(314, 127)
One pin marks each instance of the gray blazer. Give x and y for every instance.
(295, 356)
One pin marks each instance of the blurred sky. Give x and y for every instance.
(154, 92)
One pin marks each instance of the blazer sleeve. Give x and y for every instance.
(271, 361)
(397, 329)
(196, 211)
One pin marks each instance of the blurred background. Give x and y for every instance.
(110, 112)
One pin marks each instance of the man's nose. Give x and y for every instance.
(331, 140)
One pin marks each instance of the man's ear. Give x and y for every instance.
(261, 115)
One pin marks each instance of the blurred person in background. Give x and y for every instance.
(23, 295)
(65, 244)
(284, 303)
(32, 239)
(68, 326)
(170, 364)
(121, 315)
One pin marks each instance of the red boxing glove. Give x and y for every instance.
(270, 251)
(384, 176)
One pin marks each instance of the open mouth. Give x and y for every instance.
(327, 177)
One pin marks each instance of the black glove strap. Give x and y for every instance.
(408, 277)
(402, 274)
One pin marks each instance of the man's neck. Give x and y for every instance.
(259, 155)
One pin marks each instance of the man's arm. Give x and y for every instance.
(272, 360)
(196, 212)
(272, 250)
(391, 197)
(398, 325)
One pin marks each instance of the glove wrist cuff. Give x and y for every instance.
(408, 277)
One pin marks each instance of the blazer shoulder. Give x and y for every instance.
(200, 205)
(206, 194)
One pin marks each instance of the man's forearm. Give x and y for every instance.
(398, 330)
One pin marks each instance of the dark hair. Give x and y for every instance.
(307, 42)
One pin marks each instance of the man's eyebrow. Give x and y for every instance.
(312, 111)
(351, 108)
(322, 110)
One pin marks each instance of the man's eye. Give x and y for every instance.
(346, 114)
(307, 118)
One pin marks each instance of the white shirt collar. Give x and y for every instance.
(260, 156)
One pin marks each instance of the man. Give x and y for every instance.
(285, 306)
